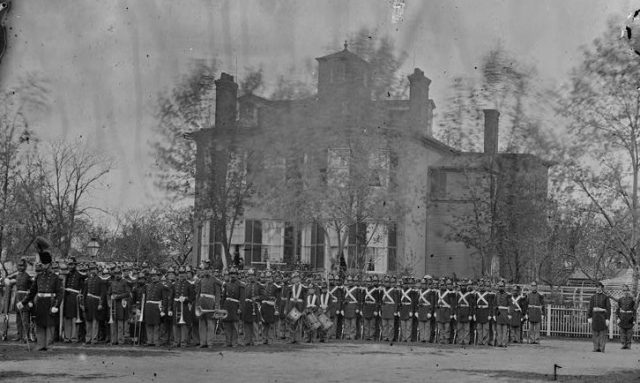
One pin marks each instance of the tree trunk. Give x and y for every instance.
(634, 227)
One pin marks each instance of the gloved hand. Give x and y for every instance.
(189, 306)
(607, 322)
(54, 310)
(342, 312)
(474, 317)
(428, 315)
(618, 321)
(357, 311)
(181, 299)
(337, 312)
(416, 314)
(239, 312)
(170, 313)
(375, 313)
(526, 316)
(589, 320)
(455, 317)
(30, 304)
(161, 313)
(470, 317)
(19, 306)
(99, 307)
(509, 317)
(397, 314)
(112, 297)
(435, 315)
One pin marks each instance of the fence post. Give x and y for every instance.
(611, 325)
(548, 320)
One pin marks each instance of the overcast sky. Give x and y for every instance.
(107, 60)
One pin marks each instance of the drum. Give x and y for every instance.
(293, 315)
(312, 321)
(325, 322)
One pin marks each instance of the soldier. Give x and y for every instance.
(534, 313)
(104, 329)
(370, 309)
(183, 295)
(518, 313)
(251, 309)
(231, 295)
(445, 311)
(406, 310)
(326, 308)
(95, 301)
(206, 291)
(311, 308)
(425, 309)
(268, 308)
(166, 321)
(389, 308)
(282, 289)
(46, 288)
(139, 296)
(598, 317)
(296, 299)
(484, 312)
(351, 310)
(336, 291)
(193, 335)
(154, 311)
(119, 294)
(465, 313)
(626, 313)
(23, 282)
(502, 315)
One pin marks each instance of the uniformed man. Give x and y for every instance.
(466, 307)
(426, 303)
(484, 312)
(44, 294)
(268, 308)
(325, 307)
(154, 309)
(311, 307)
(535, 312)
(206, 291)
(351, 308)
(72, 299)
(598, 317)
(389, 308)
(626, 314)
(296, 299)
(119, 294)
(166, 322)
(518, 313)
(183, 295)
(406, 310)
(104, 332)
(503, 315)
(282, 287)
(445, 311)
(22, 281)
(95, 297)
(336, 291)
(370, 308)
(139, 296)
(231, 295)
(251, 309)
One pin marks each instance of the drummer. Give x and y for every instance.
(295, 301)
(311, 313)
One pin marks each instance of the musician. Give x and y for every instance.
(326, 308)
(251, 308)
(154, 309)
(351, 308)
(473, 292)
(518, 314)
(336, 291)
(535, 312)
(426, 304)
(231, 296)
(484, 312)
(502, 313)
(445, 310)
(138, 295)
(598, 317)
(166, 321)
(104, 329)
(72, 301)
(22, 281)
(370, 308)
(207, 288)
(282, 288)
(466, 307)
(95, 296)
(492, 290)
(119, 294)
(295, 299)
(406, 309)
(193, 278)
(44, 294)
(389, 308)
(626, 314)
(183, 295)
(268, 310)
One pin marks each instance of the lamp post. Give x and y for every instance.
(93, 247)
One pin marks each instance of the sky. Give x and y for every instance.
(107, 61)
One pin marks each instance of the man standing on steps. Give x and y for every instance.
(626, 314)
(598, 317)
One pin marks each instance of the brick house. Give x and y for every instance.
(432, 179)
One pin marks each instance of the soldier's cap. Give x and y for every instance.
(72, 261)
(350, 278)
(188, 269)
(182, 270)
(22, 262)
(517, 287)
(625, 287)
(142, 276)
(427, 276)
(153, 272)
(534, 283)
(117, 270)
(45, 257)
(251, 272)
(600, 284)
(233, 271)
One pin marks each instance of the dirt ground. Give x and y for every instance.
(333, 362)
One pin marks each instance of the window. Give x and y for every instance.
(292, 244)
(338, 166)
(357, 242)
(392, 246)
(253, 241)
(438, 183)
(317, 246)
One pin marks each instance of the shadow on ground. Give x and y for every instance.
(11, 375)
(622, 376)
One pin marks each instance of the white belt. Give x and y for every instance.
(503, 308)
(22, 292)
(69, 289)
(232, 300)
(154, 302)
(208, 296)
(535, 306)
(599, 309)
(626, 312)
(483, 306)
(464, 306)
(295, 300)
(46, 295)
(271, 303)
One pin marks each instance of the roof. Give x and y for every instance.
(343, 54)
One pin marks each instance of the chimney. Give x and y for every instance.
(419, 105)
(491, 131)
(226, 101)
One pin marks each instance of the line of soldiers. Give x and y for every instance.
(80, 303)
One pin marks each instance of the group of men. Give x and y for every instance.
(188, 307)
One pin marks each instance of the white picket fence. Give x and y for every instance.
(572, 322)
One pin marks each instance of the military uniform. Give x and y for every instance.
(389, 309)
(251, 311)
(44, 294)
(626, 313)
(598, 316)
(351, 308)
(296, 299)
(269, 309)
(518, 313)
(312, 303)
(426, 304)
(72, 299)
(336, 291)
(502, 314)
(183, 296)
(119, 296)
(206, 292)
(445, 312)
(231, 295)
(370, 310)
(406, 311)
(535, 311)
(95, 297)
(466, 310)
(138, 298)
(155, 295)
(23, 284)
(484, 314)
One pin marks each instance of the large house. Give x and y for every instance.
(443, 197)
